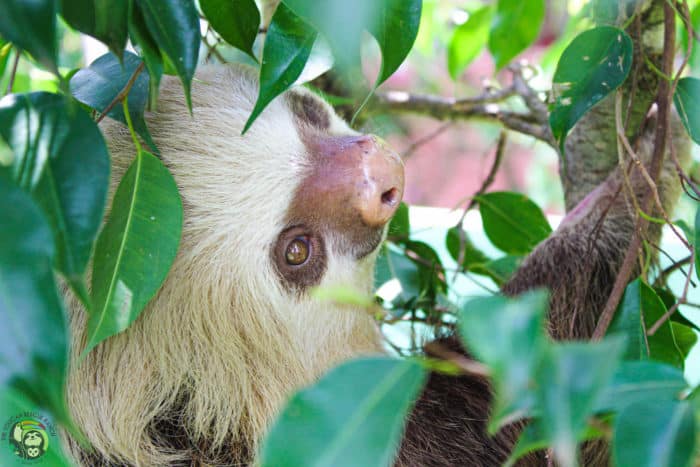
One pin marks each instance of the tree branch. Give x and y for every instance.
(487, 107)
(663, 100)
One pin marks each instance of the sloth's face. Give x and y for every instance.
(300, 200)
(349, 190)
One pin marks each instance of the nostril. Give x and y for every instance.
(390, 197)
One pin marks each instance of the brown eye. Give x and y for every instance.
(297, 251)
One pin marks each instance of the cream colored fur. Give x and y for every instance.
(222, 328)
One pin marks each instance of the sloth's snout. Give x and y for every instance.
(357, 183)
(380, 181)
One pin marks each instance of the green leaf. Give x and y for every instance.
(61, 158)
(512, 221)
(662, 345)
(429, 265)
(515, 26)
(499, 270)
(391, 264)
(31, 25)
(471, 255)
(174, 25)
(687, 101)
(655, 433)
(98, 85)
(638, 381)
(468, 40)
(136, 247)
(507, 335)
(400, 225)
(236, 21)
(534, 438)
(393, 23)
(34, 335)
(572, 377)
(628, 322)
(148, 49)
(595, 63)
(684, 336)
(287, 48)
(353, 416)
(16, 407)
(105, 20)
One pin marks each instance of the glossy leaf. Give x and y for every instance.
(34, 335)
(499, 270)
(174, 25)
(429, 267)
(353, 416)
(579, 372)
(106, 21)
(534, 438)
(13, 405)
(507, 335)
(393, 23)
(686, 100)
(236, 21)
(512, 221)
(662, 345)
(595, 63)
(61, 158)
(31, 25)
(516, 24)
(655, 433)
(392, 264)
(287, 48)
(136, 247)
(628, 322)
(468, 40)
(98, 85)
(638, 381)
(457, 242)
(148, 49)
(400, 225)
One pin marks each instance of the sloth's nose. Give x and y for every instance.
(380, 181)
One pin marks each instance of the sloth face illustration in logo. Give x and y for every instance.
(29, 439)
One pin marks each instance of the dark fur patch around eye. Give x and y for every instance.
(309, 110)
(308, 274)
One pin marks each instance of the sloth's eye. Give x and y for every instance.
(298, 251)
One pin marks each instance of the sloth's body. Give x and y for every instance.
(233, 332)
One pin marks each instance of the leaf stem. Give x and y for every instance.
(13, 73)
(122, 94)
(134, 137)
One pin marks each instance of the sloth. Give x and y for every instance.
(301, 200)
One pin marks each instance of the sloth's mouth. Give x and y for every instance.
(369, 244)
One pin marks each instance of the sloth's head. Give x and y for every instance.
(299, 201)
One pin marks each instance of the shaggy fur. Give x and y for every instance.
(209, 362)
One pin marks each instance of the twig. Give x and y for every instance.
(645, 174)
(485, 107)
(664, 102)
(425, 139)
(673, 267)
(469, 367)
(13, 73)
(488, 181)
(123, 93)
